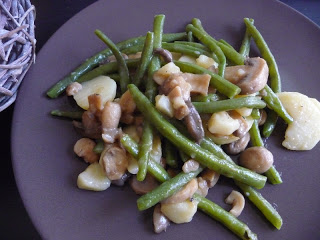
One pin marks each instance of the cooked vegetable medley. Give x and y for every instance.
(163, 111)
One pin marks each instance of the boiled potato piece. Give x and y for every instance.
(93, 178)
(206, 62)
(181, 212)
(221, 123)
(304, 132)
(164, 72)
(163, 104)
(103, 85)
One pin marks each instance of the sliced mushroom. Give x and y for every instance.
(120, 182)
(89, 127)
(238, 146)
(145, 186)
(73, 88)
(172, 82)
(160, 221)
(243, 127)
(251, 77)
(258, 159)
(95, 104)
(114, 161)
(167, 56)
(178, 103)
(190, 165)
(186, 192)
(128, 107)
(263, 117)
(199, 82)
(203, 187)
(84, 148)
(210, 176)
(194, 123)
(110, 118)
(237, 200)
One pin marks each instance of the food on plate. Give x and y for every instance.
(304, 132)
(162, 112)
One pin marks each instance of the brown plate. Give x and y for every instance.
(46, 168)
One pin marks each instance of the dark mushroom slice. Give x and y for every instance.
(167, 56)
(251, 77)
(194, 123)
(238, 146)
(145, 186)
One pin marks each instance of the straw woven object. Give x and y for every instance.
(17, 46)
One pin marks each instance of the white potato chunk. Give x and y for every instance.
(163, 104)
(181, 212)
(244, 112)
(304, 132)
(164, 72)
(93, 178)
(221, 123)
(206, 62)
(133, 165)
(156, 151)
(187, 59)
(102, 85)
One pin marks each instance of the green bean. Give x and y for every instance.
(275, 104)
(255, 114)
(195, 151)
(190, 37)
(229, 104)
(146, 56)
(165, 190)
(155, 64)
(100, 57)
(256, 198)
(154, 168)
(144, 151)
(133, 49)
(245, 45)
(272, 174)
(170, 154)
(275, 81)
(222, 85)
(185, 49)
(219, 214)
(106, 69)
(205, 39)
(211, 97)
(230, 53)
(255, 136)
(183, 156)
(209, 145)
(67, 114)
(114, 76)
(193, 44)
(98, 148)
(122, 66)
(262, 204)
(225, 43)
(270, 123)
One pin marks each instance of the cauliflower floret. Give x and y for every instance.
(304, 132)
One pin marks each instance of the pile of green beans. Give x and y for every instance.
(177, 143)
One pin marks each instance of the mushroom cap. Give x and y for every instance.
(251, 77)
